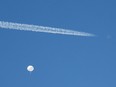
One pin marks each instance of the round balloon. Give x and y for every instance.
(30, 68)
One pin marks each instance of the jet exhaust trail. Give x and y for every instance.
(36, 28)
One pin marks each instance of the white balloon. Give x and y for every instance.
(30, 68)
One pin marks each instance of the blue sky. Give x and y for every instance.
(59, 60)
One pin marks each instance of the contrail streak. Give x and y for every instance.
(36, 28)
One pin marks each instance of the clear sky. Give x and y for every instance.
(59, 60)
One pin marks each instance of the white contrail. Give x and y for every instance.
(35, 28)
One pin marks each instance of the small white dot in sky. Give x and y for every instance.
(30, 68)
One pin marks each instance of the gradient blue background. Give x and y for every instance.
(59, 60)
